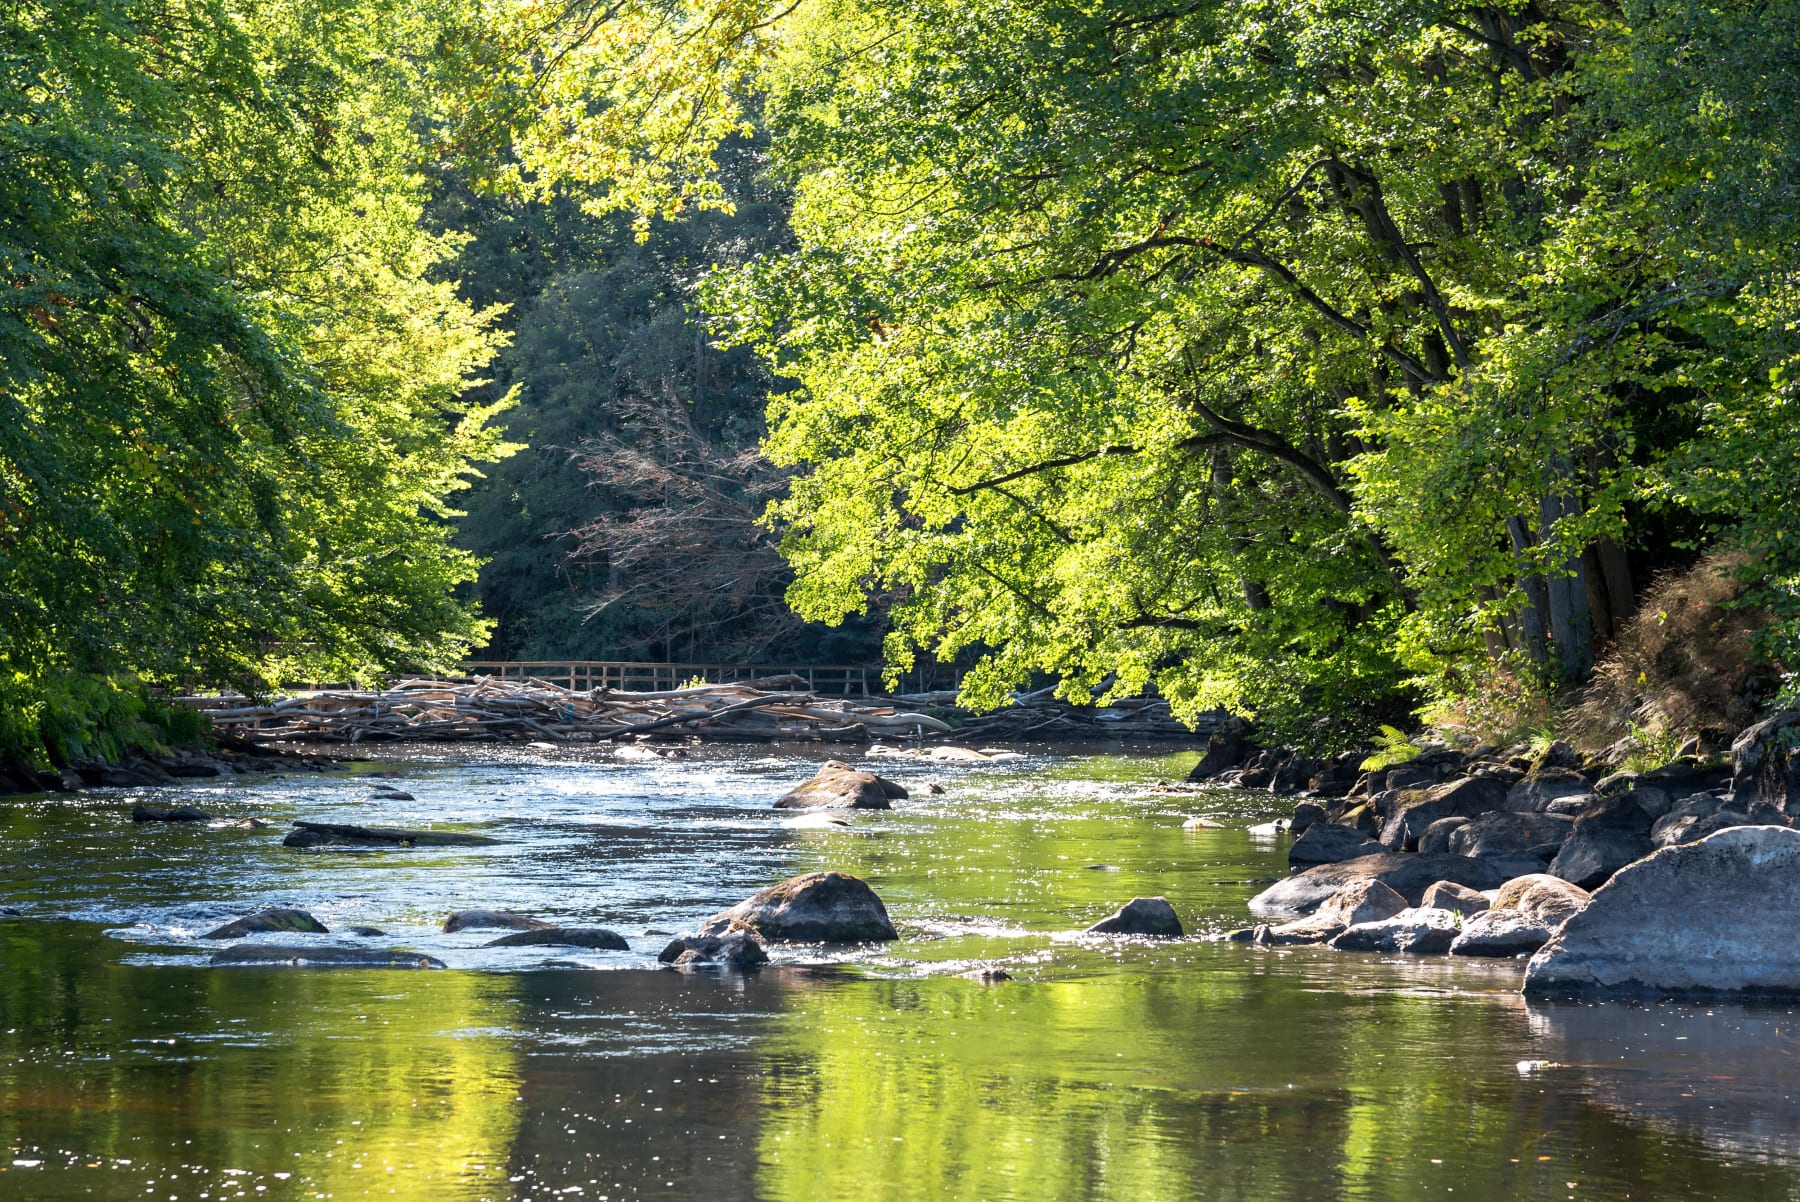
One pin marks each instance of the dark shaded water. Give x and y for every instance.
(1126, 1071)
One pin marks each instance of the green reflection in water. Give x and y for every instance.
(335, 1083)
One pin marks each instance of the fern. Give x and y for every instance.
(1392, 747)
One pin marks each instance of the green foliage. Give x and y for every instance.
(1392, 748)
(231, 397)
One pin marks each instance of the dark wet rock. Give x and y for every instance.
(595, 938)
(1765, 762)
(732, 951)
(1336, 777)
(1152, 916)
(493, 920)
(1504, 833)
(1536, 790)
(839, 786)
(1408, 776)
(391, 795)
(1458, 899)
(1436, 839)
(11, 912)
(1417, 810)
(1226, 748)
(988, 976)
(1501, 934)
(1660, 789)
(1292, 771)
(1306, 814)
(368, 932)
(296, 921)
(243, 824)
(1546, 899)
(1329, 843)
(816, 907)
(1606, 836)
(331, 834)
(1410, 932)
(177, 814)
(1407, 875)
(1715, 916)
(254, 954)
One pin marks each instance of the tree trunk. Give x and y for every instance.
(1566, 592)
(1531, 617)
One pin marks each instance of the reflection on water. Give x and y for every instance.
(1105, 1070)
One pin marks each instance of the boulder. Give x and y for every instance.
(1606, 836)
(1408, 776)
(493, 920)
(1328, 843)
(816, 907)
(1458, 899)
(1536, 790)
(1660, 789)
(1572, 805)
(1764, 763)
(1416, 811)
(1338, 776)
(1501, 934)
(1546, 899)
(177, 814)
(1410, 932)
(1226, 748)
(1716, 916)
(262, 954)
(1407, 875)
(1306, 814)
(292, 921)
(839, 786)
(595, 938)
(732, 951)
(1365, 901)
(1503, 832)
(1436, 839)
(1151, 916)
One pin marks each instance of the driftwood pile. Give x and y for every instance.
(535, 710)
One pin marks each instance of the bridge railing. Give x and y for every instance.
(836, 680)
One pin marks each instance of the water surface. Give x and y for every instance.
(1103, 1070)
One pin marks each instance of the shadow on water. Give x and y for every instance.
(1104, 1070)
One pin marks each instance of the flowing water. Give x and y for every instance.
(1104, 1070)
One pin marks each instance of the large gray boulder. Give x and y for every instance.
(1407, 875)
(1329, 843)
(1716, 916)
(1458, 899)
(815, 907)
(1410, 932)
(839, 786)
(1151, 916)
(493, 920)
(1417, 810)
(1504, 833)
(1436, 839)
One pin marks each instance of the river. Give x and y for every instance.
(1104, 1070)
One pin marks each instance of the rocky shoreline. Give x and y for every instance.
(222, 757)
(1504, 854)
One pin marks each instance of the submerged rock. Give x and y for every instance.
(839, 786)
(816, 907)
(293, 921)
(321, 957)
(1716, 916)
(177, 814)
(732, 951)
(1411, 932)
(1407, 875)
(332, 834)
(594, 938)
(1152, 916)
(493, 920)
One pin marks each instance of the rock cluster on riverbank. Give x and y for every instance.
(1497, 855)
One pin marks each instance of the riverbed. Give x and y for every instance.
(1105, 1069)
